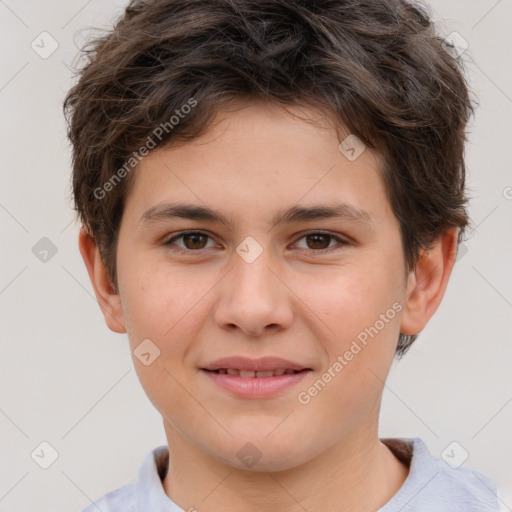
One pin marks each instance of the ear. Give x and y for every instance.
(427, 283)
(108, 299)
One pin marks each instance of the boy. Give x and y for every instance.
(316, 150)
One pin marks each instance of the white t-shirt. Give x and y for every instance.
(431, 486)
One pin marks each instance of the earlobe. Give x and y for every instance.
(108, 299)
(427, 284)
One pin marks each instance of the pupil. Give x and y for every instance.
(315, 239)
(194, 237)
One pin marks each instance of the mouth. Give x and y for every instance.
(246, 367)
(250, 374)
(247, 378)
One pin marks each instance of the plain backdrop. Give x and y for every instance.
(66, 380)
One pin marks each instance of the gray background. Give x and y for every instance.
(67, 380)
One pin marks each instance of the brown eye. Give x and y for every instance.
(192, 241)
(318, 241)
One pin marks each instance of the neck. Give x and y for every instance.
(357, 473)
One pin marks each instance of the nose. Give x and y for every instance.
(254, 297)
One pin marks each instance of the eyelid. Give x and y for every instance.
(179, 235)
(343, 241)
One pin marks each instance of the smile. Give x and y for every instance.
(250, 384)
(247, 374)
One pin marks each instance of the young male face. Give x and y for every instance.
(305, 302)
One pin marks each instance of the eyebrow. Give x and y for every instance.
(344, 211)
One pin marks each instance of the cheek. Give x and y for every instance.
(350, 298)
(169, 308)
(157, 298)
(163, 309)
(360, 310)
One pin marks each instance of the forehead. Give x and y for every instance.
(262, 155)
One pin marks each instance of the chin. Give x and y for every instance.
(264, 454)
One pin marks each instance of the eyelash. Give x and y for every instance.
(340, 240)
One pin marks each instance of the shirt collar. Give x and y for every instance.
(151, 495)
(150, 490)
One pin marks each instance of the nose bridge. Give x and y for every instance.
(252, 265)
(254, 297)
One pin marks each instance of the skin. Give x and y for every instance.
(295, 301)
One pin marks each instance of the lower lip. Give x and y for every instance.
(255, 387)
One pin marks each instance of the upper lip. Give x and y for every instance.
(257, 365)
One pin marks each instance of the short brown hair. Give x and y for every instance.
(377, 66)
